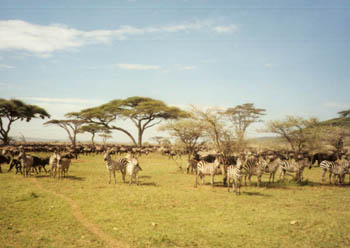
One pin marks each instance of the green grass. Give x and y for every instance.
(166, 210)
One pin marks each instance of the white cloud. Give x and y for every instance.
(61, 100)
(225, 29)
(42, 40)
(6, 67)
(138, 67)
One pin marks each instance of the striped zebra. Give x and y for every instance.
(326, 165)
(296, 167)
(271, 169)
(205, 168)
(234, 172)
(338, 169)
(114, 165)
(254, 167)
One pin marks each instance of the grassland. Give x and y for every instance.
(165, 210)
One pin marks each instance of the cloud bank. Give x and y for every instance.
(43, 40)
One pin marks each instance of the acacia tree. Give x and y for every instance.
(211, 118)
(13, 110)
(241, 117)
(297, 131)
(143, 112)
(72, 127)
(188, 131)
(106, 134)
(93, 129)
(335, 131)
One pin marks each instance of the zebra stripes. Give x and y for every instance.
(234, 172)
(338, 169)
(294, 167)
(205, 168)
(114, 165)
(254, 167)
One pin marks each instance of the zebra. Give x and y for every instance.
(113, 165)
(271, 169)
(254, 167)
(205, 168)
(26, 162)
(338, 169)
(133, 167)
(294, 166)
(234, 172)
(326, 165)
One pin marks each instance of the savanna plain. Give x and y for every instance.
(166, 210)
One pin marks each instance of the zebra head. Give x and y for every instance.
(107, 155)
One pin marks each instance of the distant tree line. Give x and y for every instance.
(224, 129)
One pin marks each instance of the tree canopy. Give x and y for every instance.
(72, 127)
(143, 112)
(13, 110)
(188, 131)
(242, 116)
(297, 131)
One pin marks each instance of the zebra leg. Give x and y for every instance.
(115, 180)
(330, 177)
(324, 175)
(250, 181)
(228, 184)
(123, 171)
(259, 180)
(110, 175)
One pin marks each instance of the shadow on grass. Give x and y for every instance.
(254, 194)
(75, 178)
(148, 184)
(145, 177)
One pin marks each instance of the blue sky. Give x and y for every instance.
(289, 57)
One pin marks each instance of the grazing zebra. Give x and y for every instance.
(113, 165)
(205, 168)
(271, 168)
(294, 166)
(338, 169)
(234, 172)
(254, 167)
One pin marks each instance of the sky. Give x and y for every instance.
(288, 57)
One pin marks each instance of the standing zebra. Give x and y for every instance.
(254, 167)
(234, 172)
(326, 165)
(205, 168)
(338, 169)
(26, 162)
(113, 165)
(271, 168)
(294, 166)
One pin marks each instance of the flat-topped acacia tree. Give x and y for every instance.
(13, 110)
(144, 113)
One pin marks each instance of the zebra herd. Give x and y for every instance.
(258, 166)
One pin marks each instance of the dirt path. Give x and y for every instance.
(91, 227)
